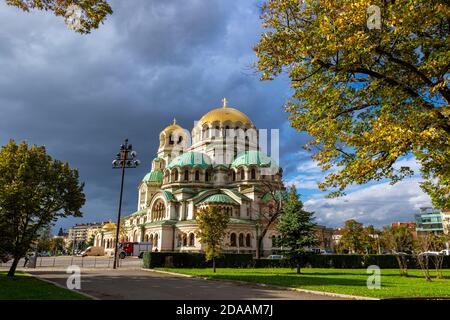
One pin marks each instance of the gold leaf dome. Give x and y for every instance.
(173, 127)
(225, 114)
(109, 226)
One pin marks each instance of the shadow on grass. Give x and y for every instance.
(294, 280)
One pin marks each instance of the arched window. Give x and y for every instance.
(197, 175)
(186, 175)
(206, 176)
(158, 210)
(242, 174)
(176, 175)
(227, 131)
(233, 240)
(191, 240)
(184, 240)
(146, 238)
(155, 239)
(241, 240)
(171, 139)
(150, 239)
(253, 174)
(248, 240)
(234, 175)
(135, 236)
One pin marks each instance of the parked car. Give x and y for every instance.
(429, 253)
(275, 256)
(93, 251)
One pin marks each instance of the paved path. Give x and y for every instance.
(146, 285)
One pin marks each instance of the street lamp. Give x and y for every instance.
(126, 158)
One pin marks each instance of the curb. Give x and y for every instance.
(61, 286)
(322, 293)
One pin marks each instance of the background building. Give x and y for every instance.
(429, 220)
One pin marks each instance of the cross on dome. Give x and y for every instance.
(224, 101)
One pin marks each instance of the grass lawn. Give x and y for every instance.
(346, 281)
(26, 287)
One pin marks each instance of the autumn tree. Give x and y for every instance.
(355, 238)
(268, 210)
(212, 223)
(399, 241)
(90, 12)
(35, 191)
(57, 245)
(297, 229)
(366, 95)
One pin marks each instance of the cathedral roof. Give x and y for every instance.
(225, 114)
(191, 159)
(252, 157)
(173, 127)
(154, 177)
(219, 198)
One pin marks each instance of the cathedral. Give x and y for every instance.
(218, 164)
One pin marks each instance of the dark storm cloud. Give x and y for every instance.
(150, 62)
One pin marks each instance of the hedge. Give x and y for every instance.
(195, 260)
(347, 261)
(339, 261)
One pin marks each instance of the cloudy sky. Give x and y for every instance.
(150, 62)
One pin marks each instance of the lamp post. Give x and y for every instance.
(126, 158)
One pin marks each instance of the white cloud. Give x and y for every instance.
(378, 204)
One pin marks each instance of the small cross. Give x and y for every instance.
(224, 101)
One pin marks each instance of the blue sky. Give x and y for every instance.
(150, 62)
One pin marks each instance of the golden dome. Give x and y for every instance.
(109, 226)
(225, 114)
(173, 127)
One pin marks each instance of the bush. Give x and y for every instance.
(338, 261)
(195, 260)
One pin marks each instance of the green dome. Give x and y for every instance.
(253, 157)
(154, 177)
(191, 159)
(219, 198)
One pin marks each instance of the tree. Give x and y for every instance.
(354, 238)
(400, 242)
(366, 96)
(35, 191)
(91, 12)
(91, 240)
(212, 223)
(297, 230)
(57, 245)
(269, 209)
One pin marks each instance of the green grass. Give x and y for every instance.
(346, 281)
(26, 287)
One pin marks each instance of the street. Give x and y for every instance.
(126, 284)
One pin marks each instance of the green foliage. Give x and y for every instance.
(357, 239)
(194, 260)
(296, 227)
(93, 12)
(346, 261)
(212, 223)
(366, 96)
(35, 191)
(57, 245)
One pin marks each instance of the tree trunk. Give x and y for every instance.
(12, 270)
(298, 268)
(259, 245)
(214, 265)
